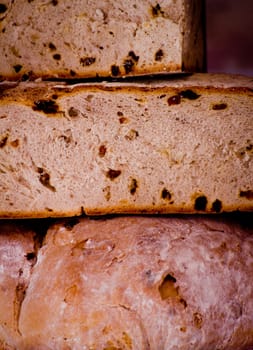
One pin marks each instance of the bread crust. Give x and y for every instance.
(17, 256)
(133, 282)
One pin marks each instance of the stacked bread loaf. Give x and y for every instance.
(126, 181)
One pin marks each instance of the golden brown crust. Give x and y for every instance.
(124, 210)
(202, 83)
(138, 72)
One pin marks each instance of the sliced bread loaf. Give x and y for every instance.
(178, 145)
(76, 38)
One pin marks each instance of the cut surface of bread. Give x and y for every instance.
(76, 38)
(163, 146)
(132, 283)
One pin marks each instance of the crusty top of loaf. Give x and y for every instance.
(139, 283)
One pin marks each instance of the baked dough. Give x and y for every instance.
(174, 145)
(100, 38)
(152, 283)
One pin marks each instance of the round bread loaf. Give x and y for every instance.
(139, 283)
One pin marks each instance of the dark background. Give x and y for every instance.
(229, 33)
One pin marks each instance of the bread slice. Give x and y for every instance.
(131, 283)
(76, 38)
(178, 145)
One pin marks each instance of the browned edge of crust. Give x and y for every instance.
(28, 94)
(124, 210)
(155, 69)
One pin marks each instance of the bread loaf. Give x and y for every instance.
(17, 256)
(131, 283)
(163, 146)
(80, 39)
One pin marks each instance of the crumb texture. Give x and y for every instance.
(99, 38)
(131, 283)
(178, 145)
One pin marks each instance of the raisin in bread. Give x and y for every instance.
(80, 39)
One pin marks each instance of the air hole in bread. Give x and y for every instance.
(167, 288)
